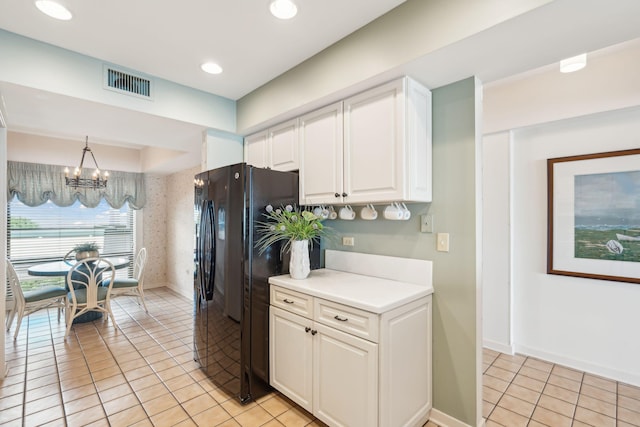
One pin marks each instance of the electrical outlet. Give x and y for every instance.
(426, 223)
(348, 241)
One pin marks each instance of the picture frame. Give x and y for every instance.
(593, 216)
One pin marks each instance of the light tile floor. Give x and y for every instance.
(143, 374)
(525, 391)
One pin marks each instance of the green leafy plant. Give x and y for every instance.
(86, 247)
(287, 224)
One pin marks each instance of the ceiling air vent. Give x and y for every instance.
(126, 82)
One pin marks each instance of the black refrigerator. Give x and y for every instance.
(231, 290)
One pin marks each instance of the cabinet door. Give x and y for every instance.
(321, 156)
(283, 144)
(291, 356)
(255, 150)
(345, 379)
(373, 144)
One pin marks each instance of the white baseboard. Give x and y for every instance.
(581, 365)
(498, 346)
(444, 420)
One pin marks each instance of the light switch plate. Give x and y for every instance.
(442, 242)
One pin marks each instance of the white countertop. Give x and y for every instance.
(373, 294)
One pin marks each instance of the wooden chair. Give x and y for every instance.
(88, 290)
(26, 303)
(133, 286)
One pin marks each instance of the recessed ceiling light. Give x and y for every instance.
(54, 10)
(283, 9)
(574, 63)
(211, 68)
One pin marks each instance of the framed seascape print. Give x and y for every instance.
(594, 216)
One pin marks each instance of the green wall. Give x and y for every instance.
(455, 349)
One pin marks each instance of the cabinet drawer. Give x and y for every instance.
(292, 301)
(348, 319)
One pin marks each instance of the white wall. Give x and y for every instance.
(584, 323)
(496, 227)
(577, 322)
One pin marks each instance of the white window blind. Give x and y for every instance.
(46, 233)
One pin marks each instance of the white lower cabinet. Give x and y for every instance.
(350, 367)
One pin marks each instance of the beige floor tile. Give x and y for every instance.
(523, 393)
(561, 393)
(232, 423)
(129, 416)
(9, 415)
(594, 418)
(507, 365)
(629, 403)
(516, 405)
(79, 405)
(211, 417)
(500, 373)
(199, 404)
(180, 381)
(538, 364)
(159, 404)
(139, 372)
(78, 392)
(598, 393)
(556, 405)
(39, 393)
(564, 382)
(629, 391)
(603, 383)
(536, 374)
(275, 405)
(47, 402)
(495, 383)
(487, 408)
(596, 405)
(295, 417)
(630, 417)
(144, 382)
(508, 418)
(550, 418)
(530, 383)
(254, 417)
(150, 393)
(120, 404)
(43, 417)
(189, 392)
(86, 416)
(491, 395)
(110, 382)
(170, 417)
(567, 373)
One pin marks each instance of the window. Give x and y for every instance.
(48, 232)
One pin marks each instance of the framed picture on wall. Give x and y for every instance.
(593, 203)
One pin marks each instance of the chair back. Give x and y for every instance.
(138, 267)
(87, 276)
(14, 284)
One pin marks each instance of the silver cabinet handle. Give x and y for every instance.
(288, 301)
(340, 319)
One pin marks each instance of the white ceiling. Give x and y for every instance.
(253, 48)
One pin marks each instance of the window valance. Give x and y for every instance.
(34, 184)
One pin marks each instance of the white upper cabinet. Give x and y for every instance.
(275, 148)
(321, 155)
(382, 154)
(255, 150)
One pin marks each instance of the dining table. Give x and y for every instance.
(61, 268)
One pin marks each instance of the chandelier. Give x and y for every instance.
(97, 180)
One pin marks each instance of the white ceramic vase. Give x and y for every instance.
(299, 266)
